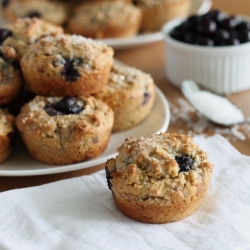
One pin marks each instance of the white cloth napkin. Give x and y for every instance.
(79, 213)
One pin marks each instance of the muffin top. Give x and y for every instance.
(161, 165)
(54, 12)
(130, 81)
(102, 14)
(52, 114)
(128, 78)
(74, 49)
(26, 31)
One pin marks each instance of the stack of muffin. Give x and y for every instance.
(79, 94)
(100, 18)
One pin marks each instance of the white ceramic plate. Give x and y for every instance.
(198, 7)
(22, 164)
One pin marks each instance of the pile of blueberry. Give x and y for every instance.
(212, 29)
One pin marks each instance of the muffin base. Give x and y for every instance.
(156, 210)
(50, 151)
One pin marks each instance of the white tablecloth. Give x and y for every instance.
(79, 213)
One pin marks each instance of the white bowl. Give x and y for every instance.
(224, 69)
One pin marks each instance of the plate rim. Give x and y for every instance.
(78, 166)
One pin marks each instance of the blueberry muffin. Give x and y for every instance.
(65, 130)
(130, 93)
(67, 65)
(160, 178)
(7, 133)
(25, 32)
(158, 12)
(105, 19)
(10, 78)
(53, 12)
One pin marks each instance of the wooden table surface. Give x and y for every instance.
(150, 58)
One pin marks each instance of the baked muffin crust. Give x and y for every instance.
(147, 182)
(26, 31)
(67, 65)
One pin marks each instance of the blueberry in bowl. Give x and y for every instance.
(212, 29)
(212, 49)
